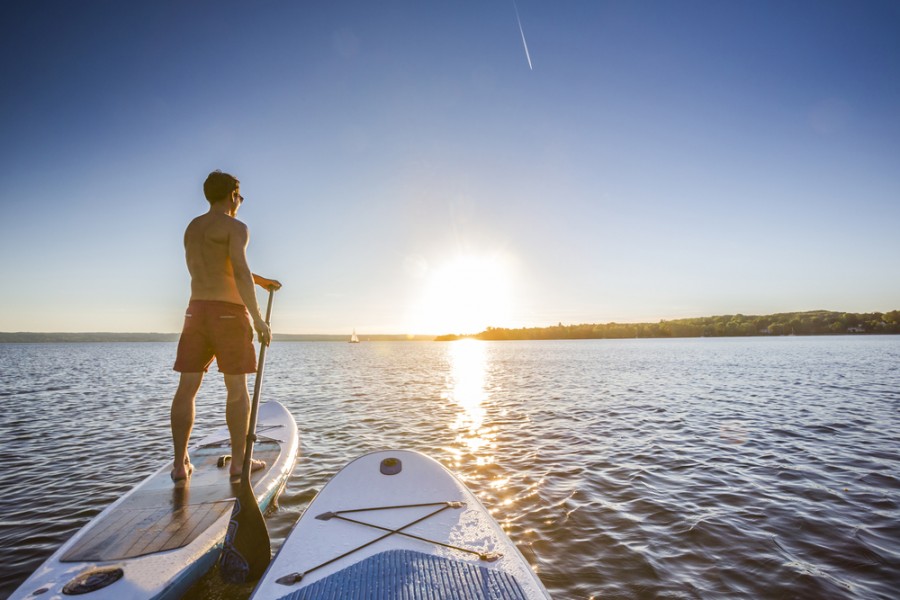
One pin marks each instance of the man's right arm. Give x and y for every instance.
(243, 278)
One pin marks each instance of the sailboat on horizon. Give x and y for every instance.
(353, 338)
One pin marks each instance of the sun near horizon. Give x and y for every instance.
(463, 295)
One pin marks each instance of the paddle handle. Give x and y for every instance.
(254, 406)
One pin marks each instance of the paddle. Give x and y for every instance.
(247, 551)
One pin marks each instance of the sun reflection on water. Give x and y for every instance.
(466, 388)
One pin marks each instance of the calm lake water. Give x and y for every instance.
(703, 468)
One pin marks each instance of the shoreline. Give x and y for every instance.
(113, 338)
(806, 323)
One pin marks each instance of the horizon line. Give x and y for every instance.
(426, 335)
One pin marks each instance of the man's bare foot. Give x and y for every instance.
(182, 474)
(255, 465)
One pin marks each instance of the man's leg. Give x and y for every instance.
(237, 414)
(182, 418)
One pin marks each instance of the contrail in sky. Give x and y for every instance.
(521, 31)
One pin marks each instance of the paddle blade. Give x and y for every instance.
(247, 552)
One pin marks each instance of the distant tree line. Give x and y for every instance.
(817, 322)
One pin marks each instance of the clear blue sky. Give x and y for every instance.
(406, 171)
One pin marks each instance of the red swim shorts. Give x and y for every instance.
(216, 329)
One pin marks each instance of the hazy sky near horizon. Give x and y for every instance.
(408, 171)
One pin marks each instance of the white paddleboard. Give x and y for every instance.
(396, 524)
(160, 538)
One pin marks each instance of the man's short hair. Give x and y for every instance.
(218, 185)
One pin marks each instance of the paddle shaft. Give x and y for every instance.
(246, 551)
(254, 406)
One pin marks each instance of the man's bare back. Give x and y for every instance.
(215, 246)
(208, 242)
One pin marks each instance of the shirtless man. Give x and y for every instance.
(217, 321)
